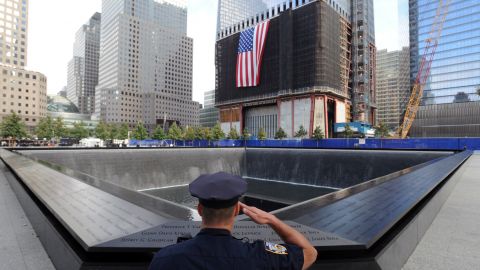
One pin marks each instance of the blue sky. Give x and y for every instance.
(53, 23)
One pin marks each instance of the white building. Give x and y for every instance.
(22, 91)
(145, 70)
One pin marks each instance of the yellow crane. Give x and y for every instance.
(424, 68)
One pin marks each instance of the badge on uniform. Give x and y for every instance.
(275, 248)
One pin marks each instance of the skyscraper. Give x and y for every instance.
(21, 91)
(345, 75)
(208, 114)
(363, 61)
(305, 70)
(82, 77)
(450, 103)
(145, 69)
(232, 12)
(393, 85)
(234, 15)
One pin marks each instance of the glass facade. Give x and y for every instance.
(455, 71)
(209, 114)
(233, 12)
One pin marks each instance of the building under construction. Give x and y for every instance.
(307, 76)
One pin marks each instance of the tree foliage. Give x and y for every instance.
(233, 134)
(140, 132)
(59, 128)
(301, 132)
(280, 134)
(123, 132)
(78, 131)
(261, 134)
(175, 132)
(199, 133)
(478, 90)
(246, 134)
(381, 130)
(318, 133)
(12, 126)
(44, 128)
(189, 134)
(217, 132)
(159, 133)
(348, 131)
(102, 130)
(207, 133)
(113, 132)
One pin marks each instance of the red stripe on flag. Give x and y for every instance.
(238, 71)
(264, 37)
(249, 63)
(252, 77)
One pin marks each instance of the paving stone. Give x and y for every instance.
(20, 249)
(453, 239)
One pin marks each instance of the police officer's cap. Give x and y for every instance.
(218, 190)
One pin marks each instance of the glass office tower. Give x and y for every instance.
(450, 106)
(455, 71)
(231, 12)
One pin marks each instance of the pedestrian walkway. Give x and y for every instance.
(453, 239)
(20, 248)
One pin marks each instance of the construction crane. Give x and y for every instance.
(423, 73)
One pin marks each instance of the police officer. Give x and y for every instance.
(215, 248)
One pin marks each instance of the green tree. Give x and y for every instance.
(301, 132)
(318, 133)
(175, 132)
(79, 131)
(123, 132)
(207, 133)
(13, 126)
(189, 133)
(45, 128)
(245, 134)
(233, 134)
(140, 132)
(159, 133)
(348, 131)
(113, 132)
(59, 128)
(217, 132)
(261, 134)
(199, 133)
(102, 130)
(280, 134)
(381, 130)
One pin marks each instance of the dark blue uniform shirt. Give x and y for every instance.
(217, 249)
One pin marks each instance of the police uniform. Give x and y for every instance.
(217, 248)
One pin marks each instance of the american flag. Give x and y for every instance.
(250, 53)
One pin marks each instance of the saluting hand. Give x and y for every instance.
(257, 215)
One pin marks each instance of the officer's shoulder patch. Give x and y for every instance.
(275, 248)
